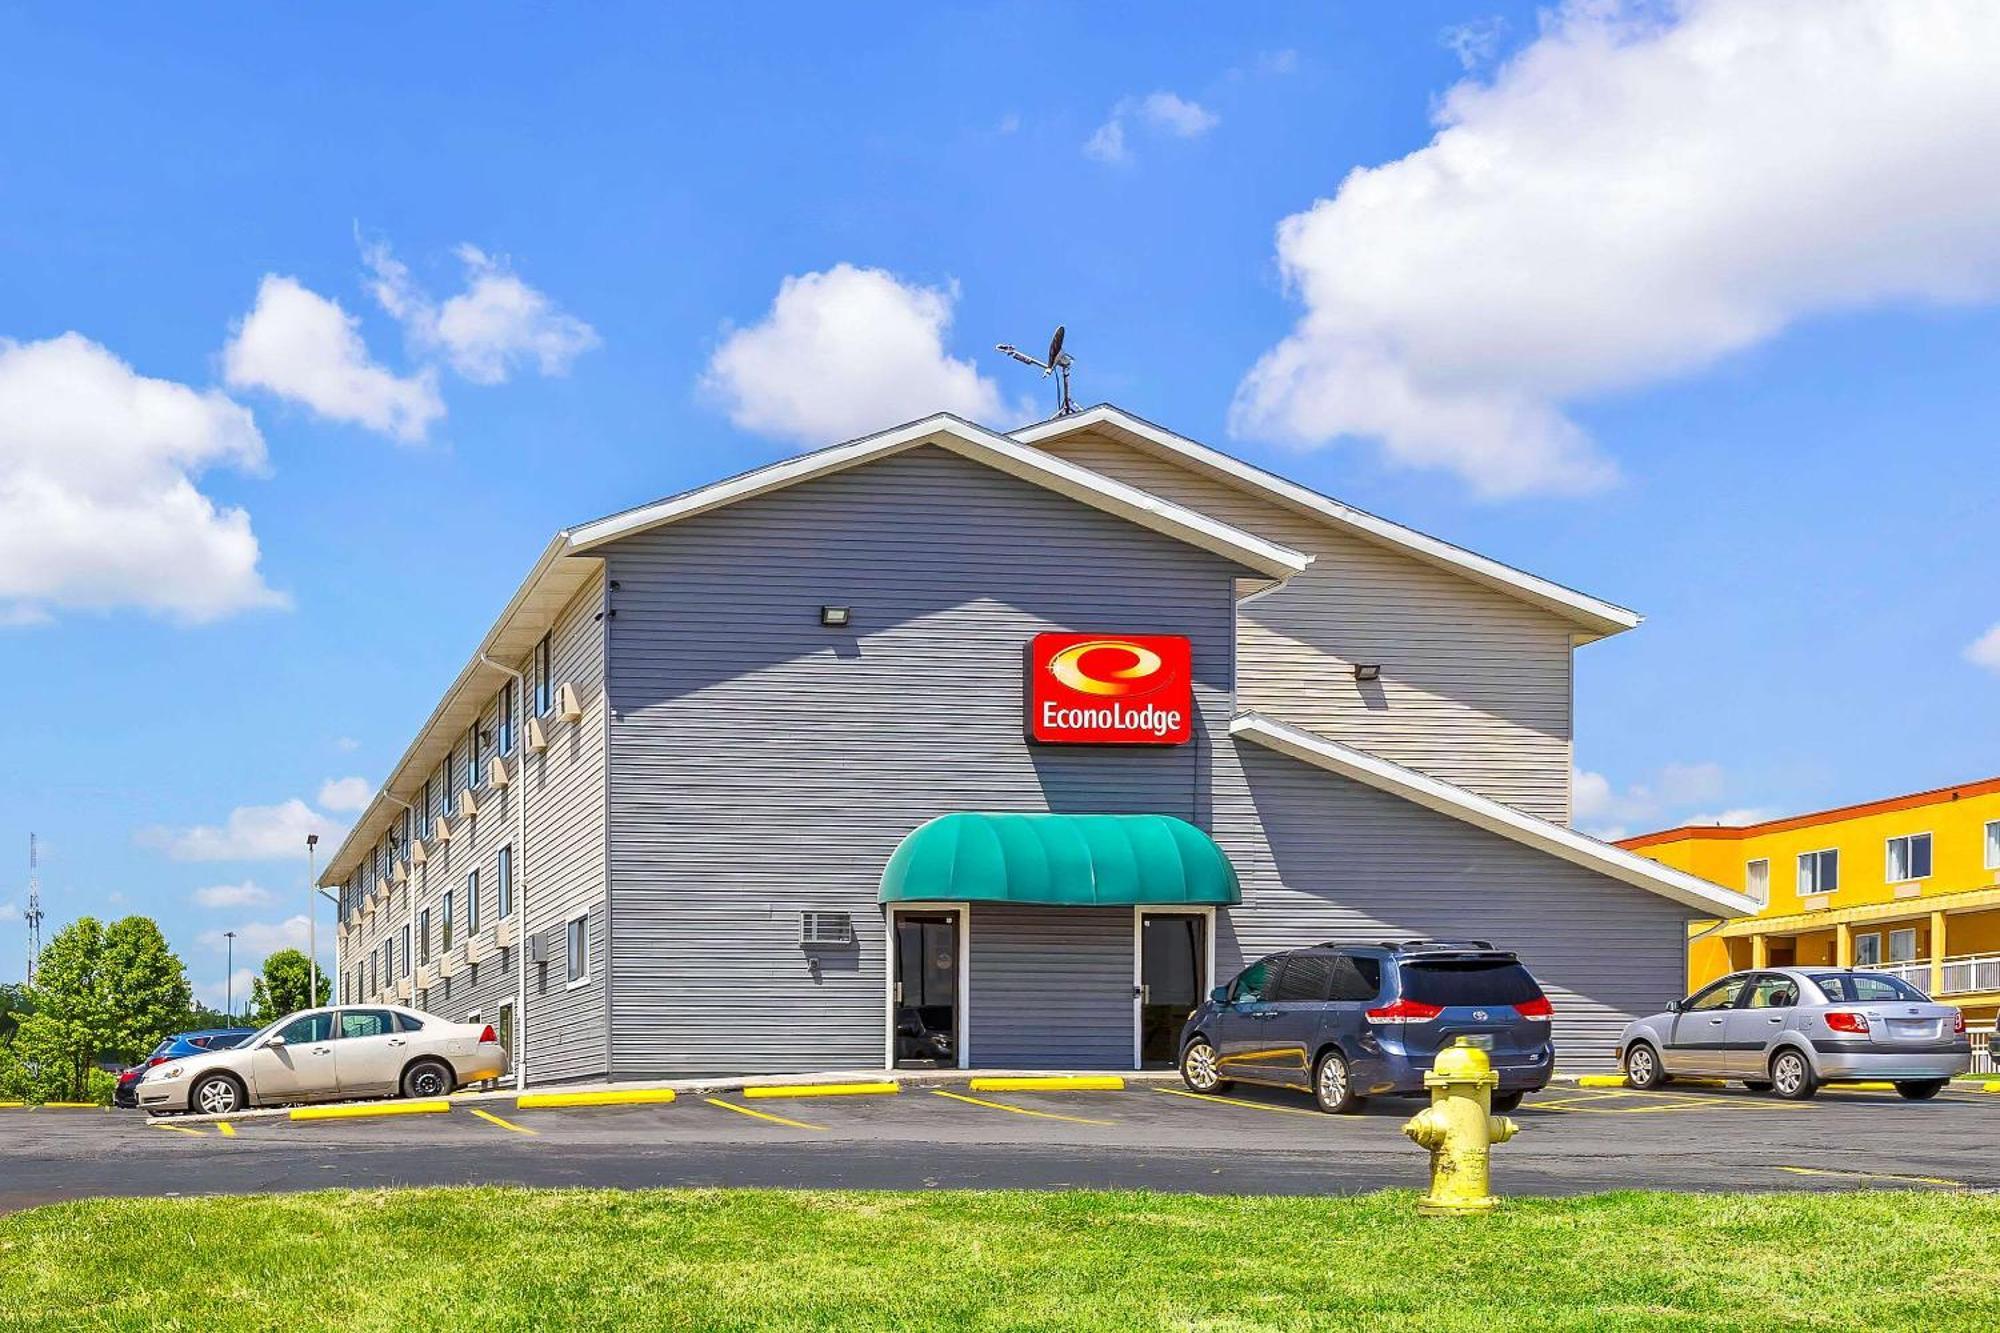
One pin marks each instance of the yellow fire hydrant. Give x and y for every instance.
(1460, 1129)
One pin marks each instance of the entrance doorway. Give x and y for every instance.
(924, 1009)
(1173, 976)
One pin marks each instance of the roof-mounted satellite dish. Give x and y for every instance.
(1058, 365)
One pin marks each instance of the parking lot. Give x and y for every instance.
(1148, 1136)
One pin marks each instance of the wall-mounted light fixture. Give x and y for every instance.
(1368, 671)
(834, 617)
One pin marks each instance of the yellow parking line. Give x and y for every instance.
(1871, 1175)
(821, 1089)
(490, 1118)
(1238, 1101)
(1555, 1103)
(228, 1130)
(179, 1129)
(1018, 1110)
(761, 1115)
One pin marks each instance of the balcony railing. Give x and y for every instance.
(1962, 976)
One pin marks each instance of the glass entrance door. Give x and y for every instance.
(925, 1012)
(1173, 962)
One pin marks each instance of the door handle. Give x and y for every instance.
(397, 1041)
(1774, 1020)
(321, 1050)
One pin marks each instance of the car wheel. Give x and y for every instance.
(1504, 1102)
(1333, 1088)
(1201, 1069)
(218, 1094)
(1920, 1089)
(1792, 1075)
(428, 1078)
(1756, 1085)
(1642, 1066)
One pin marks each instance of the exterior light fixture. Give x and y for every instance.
(834, 617)
(1365, 671)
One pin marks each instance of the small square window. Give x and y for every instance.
(1909, 857)
(576, 951)
(1819, 872)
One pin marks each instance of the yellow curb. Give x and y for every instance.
(529, 1101)
(1052, 1083)
(71, 1106)
(821, 1089)
(359, 1112)
(1991, 1087)
(1860, 1087)
(1600, 1080)
(13, 1106)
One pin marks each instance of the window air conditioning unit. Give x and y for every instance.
(569, 702)
(537, 736)
(825, 929)
(538, 948)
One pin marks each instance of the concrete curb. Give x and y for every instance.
(363, 1110)
(769, 1090)
(1051, 1083)
(543, 1101)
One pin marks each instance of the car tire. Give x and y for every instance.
(1201, 1068)
(1642, 1066)
(1756, 1085)
(218, 1094)
(428, 1078)
(1333, 1085)
(1503, 1102)
(1792, 1076)
(1920, 1089)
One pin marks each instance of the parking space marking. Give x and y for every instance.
(492, 1119)
(1238, 1101)
(1871, 1175)
(761, 1115)
(179, 1129)
(1018, 1110)
(1666, 1101)
(228, 1130)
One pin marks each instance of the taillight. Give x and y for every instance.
(1538, 1008)
(1405, 1011)
(488, 1035)
(1958, 1020)
(156, 1060)
(1840, 1020)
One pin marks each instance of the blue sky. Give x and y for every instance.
(1654, 322)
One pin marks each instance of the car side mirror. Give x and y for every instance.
(1220, 995)
(275, 1041)
(1673, 1006)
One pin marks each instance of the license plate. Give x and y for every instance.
(1913, 1029)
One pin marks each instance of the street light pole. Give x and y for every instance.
(229, 976)
(312, 920)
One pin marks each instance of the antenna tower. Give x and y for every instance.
(34, 916)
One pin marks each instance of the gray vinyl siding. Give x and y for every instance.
(1325, 858)
(1475, 685)
(1051, 987)
(762, 764)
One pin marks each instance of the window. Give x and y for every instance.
(1757, 880)
(1305, 980)
(1722, 995)
(1356, 978)
(1903, 946)
(1251, 981)
(424, 936)
(576, 951)
(1771, 991)
(445, 802)
(388, 960)
(366, 1023)
(1453, 985)
(406, 948)
(1993, 844)
(506, 1026)
(424, 812)
(1868, 949)
(373, 959)
(1864, 987)
(545, 690)
(503, 882)
(410, 1023)
(1819, 872)
(472, 756)
(472, 903)
(504, 729)
(447, 920)
(310, 1028)
(1909, 858)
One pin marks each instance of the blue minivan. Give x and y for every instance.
(1349, 1021)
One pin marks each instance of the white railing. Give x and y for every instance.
(1982, 1050)
(1917, 974)
(1962, 976)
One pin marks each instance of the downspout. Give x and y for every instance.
(409, 903)
(519, 870)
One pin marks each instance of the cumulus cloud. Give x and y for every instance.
(346, 794)
(236, 991)
(251, 833)
(498, 323)
(1641, 190)
(245, 894)
(1985, 650)
(1675, 795)
(98, 503)
(254, 939)
(845, 352)
(1165, 112)
(302, 346)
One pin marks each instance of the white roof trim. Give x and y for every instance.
(1599, 617)
(981, 445)
(1486, 813)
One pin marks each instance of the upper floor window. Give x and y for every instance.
(503, 882)
(503, 729)
(1993, 844)
(446, 804)
(446, 916)
(1909, 858)
(472, 902)
(1757, 880)
(472, 756)
(424, 812)
(424, 936)
(545, 689)
(406, 948)
(1819, 872)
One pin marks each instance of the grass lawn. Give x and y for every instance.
(722, 1259)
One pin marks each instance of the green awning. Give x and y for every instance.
(1060, 860)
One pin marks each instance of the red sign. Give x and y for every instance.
(1110, 689)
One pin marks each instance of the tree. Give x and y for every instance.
(99, 993)
(282, 988)
(15, 1005)
(149, 987)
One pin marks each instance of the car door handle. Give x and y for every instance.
(322, 1050)
(1774, 1020)
(397, 1041)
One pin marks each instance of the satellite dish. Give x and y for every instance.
(1055, 345)
(1058, 365)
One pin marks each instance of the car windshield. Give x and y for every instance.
(1462, 981)
(165, 1045)
(1865, 987)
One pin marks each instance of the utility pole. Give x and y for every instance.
(34, 917)
(229, 975)
(312, 920)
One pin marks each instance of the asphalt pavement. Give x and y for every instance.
(1148, 1136)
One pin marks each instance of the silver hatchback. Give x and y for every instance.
(1790, 1029)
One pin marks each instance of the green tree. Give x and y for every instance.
(99, 993)
(282, 988)
(150, 995)
(15, 1004)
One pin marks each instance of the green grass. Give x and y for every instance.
(728, 1259)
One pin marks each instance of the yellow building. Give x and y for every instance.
(1911, 884)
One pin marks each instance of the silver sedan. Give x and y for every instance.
(327, 1054)
(1790, 1029)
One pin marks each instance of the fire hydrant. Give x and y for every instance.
(1460, 1129)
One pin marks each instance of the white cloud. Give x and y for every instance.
(845, 352)
(216, 994)
(1475, 40)
(346, 744)
(1169, 113)
(1638, 192)
(9, 912)
(346, 794)
(496, 324)
(255, 939)
(98, 505)
(251, 833)
(300, 345)
(245, 894)
(1985, 650)
(1606, 811)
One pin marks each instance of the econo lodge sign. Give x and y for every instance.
(1110, 689)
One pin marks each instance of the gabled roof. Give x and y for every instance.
(981, 445)
(1596, 618)
(1486, 813)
